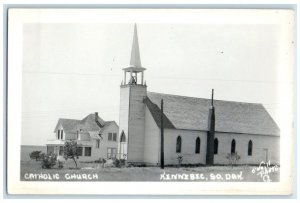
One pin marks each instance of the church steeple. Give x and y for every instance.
(133, 92)
(135, 59)
(135, 68)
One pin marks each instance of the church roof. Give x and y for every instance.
(191, 113)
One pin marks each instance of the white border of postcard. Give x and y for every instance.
(17, 17)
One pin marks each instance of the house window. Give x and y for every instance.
(216, 145)
(61, 150)
(111, 153)
(88, 151)
(115, 137)
(109, 136)
(62, 134)
(250, 148)
(58, 134)
(178, 145)
(97, 143)
(79, 151)
(198, 142)
(233, 146)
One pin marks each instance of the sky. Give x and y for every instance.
(70, 70)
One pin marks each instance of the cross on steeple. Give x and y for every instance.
(135, 66)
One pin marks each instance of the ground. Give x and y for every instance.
(32, 171)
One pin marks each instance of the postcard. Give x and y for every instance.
(150, 101)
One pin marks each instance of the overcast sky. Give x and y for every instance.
(71, 70)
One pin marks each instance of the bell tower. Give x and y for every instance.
(133, 90)
(135, 68)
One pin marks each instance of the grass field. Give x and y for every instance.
(32, 171)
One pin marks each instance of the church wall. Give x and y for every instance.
(136, 128)
(123, 113)
(188, 146)
(152, 140)
(260, 142)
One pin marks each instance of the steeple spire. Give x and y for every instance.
(135, 68)
(135, 60)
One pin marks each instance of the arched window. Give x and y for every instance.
(198, 142)
(216, 145)
(233, 146)
(178, 145)
(62, 134)
(123, 138)
(250, 148)
(58, 134)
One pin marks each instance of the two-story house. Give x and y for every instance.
(97, 138)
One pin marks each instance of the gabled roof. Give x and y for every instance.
(106, 125)
(192, 114)
(89, 124)
(85, 126)
(68, 124)
(156, 114)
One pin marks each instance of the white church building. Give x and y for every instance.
(201, 131)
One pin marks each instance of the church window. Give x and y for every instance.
(198, 142)
(178, 145)
(58, 134)
(233, 146)
(123, 138)
(250, 148)
(216, 145)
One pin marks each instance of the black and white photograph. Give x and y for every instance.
(197, 99)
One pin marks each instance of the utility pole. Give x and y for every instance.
(162, 161)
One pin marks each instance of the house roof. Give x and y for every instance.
(107, 123)
(68, 124)
(191, 113)
(86, 125)
(89, 124)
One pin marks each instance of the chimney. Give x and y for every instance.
(96, 116)
(211, 133)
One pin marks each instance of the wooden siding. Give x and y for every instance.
(136, 124)
(152, 140)
(260, 142)
(188, 138)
